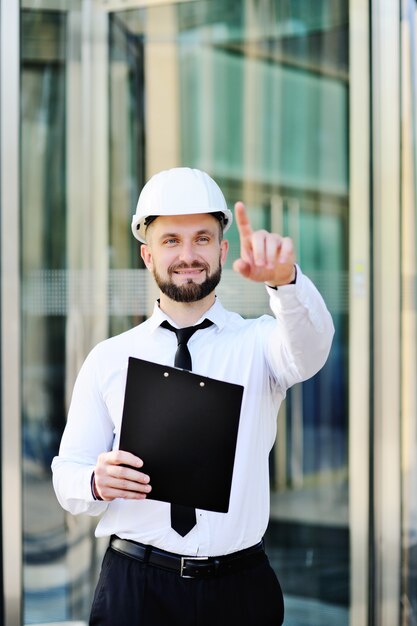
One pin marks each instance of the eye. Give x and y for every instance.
(203, 239)
(171, 241)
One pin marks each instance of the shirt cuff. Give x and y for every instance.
(293, 282)
(93, 488)
(273, 290)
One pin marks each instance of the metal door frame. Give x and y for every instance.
(11, 491)
(385, 500)
(359, 310)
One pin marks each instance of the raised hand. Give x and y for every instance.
(264, 257)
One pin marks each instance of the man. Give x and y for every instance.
(146, 577)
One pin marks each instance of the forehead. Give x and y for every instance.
(184, 224)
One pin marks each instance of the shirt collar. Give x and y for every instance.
(216, 314)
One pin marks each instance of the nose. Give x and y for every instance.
(187, 254)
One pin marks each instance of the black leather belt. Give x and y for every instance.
(188, 566)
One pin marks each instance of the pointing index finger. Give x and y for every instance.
(242, 221)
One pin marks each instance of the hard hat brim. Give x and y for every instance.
(139, 227)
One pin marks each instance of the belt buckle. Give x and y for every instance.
(190, 558)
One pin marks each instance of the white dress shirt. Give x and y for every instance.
(266, 355)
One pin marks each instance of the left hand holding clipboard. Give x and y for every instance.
(117, 475)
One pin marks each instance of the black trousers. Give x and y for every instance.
(131, 593)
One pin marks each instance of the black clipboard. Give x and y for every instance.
(184, 427)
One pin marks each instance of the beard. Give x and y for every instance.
(189, 291)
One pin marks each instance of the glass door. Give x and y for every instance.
(257, 94)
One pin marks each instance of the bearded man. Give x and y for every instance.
(192, 567)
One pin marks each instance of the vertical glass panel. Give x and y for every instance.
(57, 558)
(257, 95)
(127, 141)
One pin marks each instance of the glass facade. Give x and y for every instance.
(262, 94)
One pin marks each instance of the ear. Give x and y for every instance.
(224, 248)
(146, 255)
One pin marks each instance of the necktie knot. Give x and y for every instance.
(183, 356)
(184, 334)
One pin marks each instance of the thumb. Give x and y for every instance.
(242, 267)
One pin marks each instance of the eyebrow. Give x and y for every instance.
(202, 231)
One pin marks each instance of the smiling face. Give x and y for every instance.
(185, 254)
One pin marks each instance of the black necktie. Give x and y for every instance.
(183, 518)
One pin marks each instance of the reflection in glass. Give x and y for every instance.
(56, 555)
(127, 156)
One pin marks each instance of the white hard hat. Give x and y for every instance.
(179, 191)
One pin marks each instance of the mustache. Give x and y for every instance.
(195, 265)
